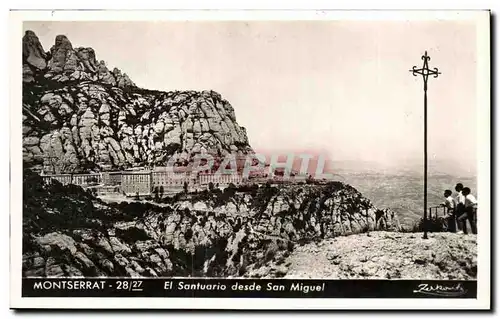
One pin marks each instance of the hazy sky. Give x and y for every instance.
(340, 87)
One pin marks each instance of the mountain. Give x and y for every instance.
(247, 231)
(80, 116)
(403, 191)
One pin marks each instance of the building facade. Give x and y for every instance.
(108, 189)
(221, 179)
(76, 179)
(64, 179)
(136, 183)
(86, 179)
(170, 179)
(145, 182)
(112, 178)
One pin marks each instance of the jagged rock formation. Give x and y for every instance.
(248, 231)
(34, 58)
(78, 115)
(66, 64)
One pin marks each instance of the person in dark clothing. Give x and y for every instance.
(470, 211)
(450, 206)
(459, 204)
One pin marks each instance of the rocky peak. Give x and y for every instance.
(33, 53)
(87, 56)
(34, 57)
(64, 63)
(63, 57)
(104, 74)
(62, 42)
(122, 80)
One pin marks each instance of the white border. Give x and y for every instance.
(483, 118)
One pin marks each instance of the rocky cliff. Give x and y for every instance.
(79, 116)
(247, 231)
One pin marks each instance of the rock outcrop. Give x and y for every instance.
(78, 115)
(238, 232)
(34, 58)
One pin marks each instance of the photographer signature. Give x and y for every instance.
(441, 290)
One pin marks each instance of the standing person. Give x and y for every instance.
(470, 211)
(450, 205)
(460, 205)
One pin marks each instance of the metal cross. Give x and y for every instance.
(425, 72)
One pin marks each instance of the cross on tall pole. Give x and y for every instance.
(425, 72)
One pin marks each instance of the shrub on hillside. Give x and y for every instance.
(435, 225)
(253, 188)
(132, 234)
(51, 207)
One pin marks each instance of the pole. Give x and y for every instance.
(425, 72)
(425, 160)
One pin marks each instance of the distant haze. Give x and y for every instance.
(339, 87)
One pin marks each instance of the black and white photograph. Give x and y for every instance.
(307, 157)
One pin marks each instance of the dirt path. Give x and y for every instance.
(387, 255)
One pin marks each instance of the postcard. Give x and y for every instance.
(250, 159)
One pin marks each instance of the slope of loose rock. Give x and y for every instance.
(386, 255)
